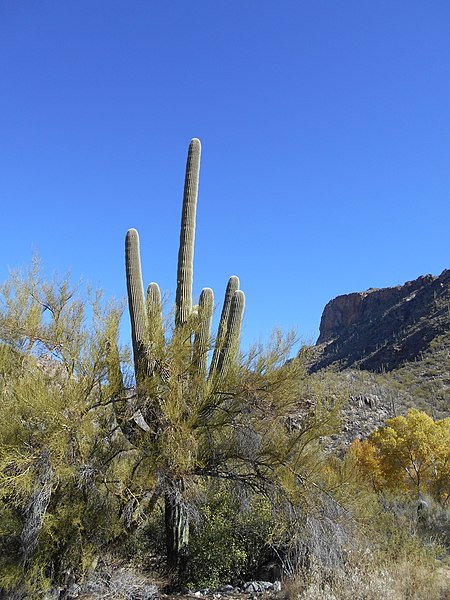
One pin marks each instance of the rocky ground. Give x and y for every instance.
(125, 583)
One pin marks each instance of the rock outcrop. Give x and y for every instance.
(380, 329)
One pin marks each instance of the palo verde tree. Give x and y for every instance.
(87, 452)
(189, 421)
(58, 508)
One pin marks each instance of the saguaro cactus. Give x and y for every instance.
(194, 327)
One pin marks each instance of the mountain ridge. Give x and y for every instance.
(381, 329)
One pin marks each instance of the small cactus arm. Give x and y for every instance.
(230, 348)
(232, 286)
(187, 235)
(154, 318)
(203, 332)
(136, 300)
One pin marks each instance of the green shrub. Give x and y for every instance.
(230, 540)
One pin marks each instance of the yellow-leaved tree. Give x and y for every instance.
(410, 452)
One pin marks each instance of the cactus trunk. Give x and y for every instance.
(177, 527)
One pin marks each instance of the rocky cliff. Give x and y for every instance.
(381, 329)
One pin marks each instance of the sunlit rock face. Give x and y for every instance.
(380, 329)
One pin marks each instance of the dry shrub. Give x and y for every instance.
(363, 578)
(117, 580)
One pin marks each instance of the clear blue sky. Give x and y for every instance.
(325, 127)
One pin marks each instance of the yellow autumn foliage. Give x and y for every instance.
(410, 453)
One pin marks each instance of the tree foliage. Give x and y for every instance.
(72, 483)
(55, 508)
(410, 452)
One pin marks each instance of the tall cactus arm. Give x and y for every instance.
(154, 316)
(187, 235)
(230, 348)
(203, 333)
(136, 300)
(233, 285)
